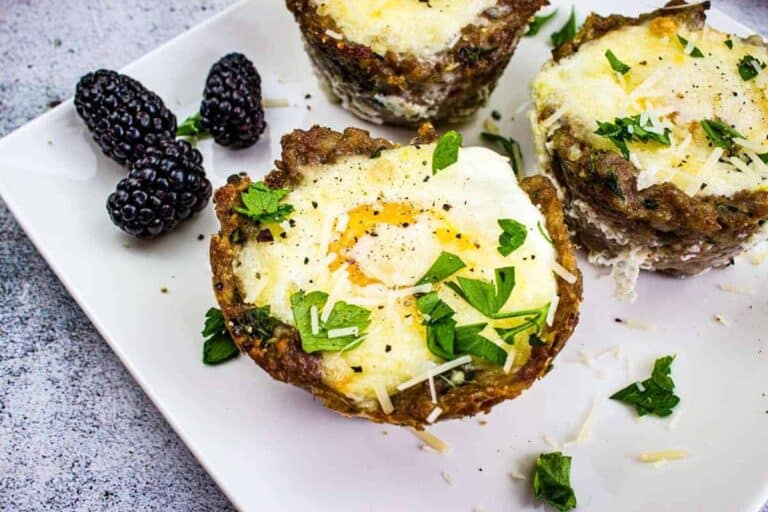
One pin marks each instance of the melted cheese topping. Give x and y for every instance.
(365, 230)
(675, 91)
(415, 27)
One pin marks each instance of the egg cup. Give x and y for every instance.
(393, 83)
(473, 385)
(648, 145)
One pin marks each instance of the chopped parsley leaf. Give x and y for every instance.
(654, 395)
(483, 295)
(447, 151)
(191, 127)
(538, 23)
(342, 316)
(720, 134)
(468, 341)
(552, 481)
(533, 318)
(616, 64)
(510, 146)
(444, 267)
(512, 237)
(567, 32)
(262, 204)
(695, 53)
(627, 129)
(447, 341)
(749, 67)
(729, 43)
(219, 346)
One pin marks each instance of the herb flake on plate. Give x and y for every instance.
(552, 481)
(219, 346)
(654, 395)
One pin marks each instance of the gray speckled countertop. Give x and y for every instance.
(76, 432)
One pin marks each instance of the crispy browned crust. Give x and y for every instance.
(282, 356)
(684, 235)
(465, 75)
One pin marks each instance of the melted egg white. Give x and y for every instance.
(418, 28)
(677, 91)
(365, 228)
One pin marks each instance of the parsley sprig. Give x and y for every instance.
(749, 67)
(695, 53)
(654, 395)
(485, 296)
(447, 340)
(532, 318)
(616, 64)
(262, 204)
(513, 235)
(447, 151)
(720, 134)
(552, 481)
(567, 32)
(342, 316)
(444, 267)
(629, 129)
(538, 23)
(219, 346)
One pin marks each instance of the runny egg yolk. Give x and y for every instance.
(367, 220)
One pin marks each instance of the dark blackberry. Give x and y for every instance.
(166, 186)
(124, 116)
(231, 110)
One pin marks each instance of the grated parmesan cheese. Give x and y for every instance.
(437, 370)
(436, 412)
(447, 478)
(722, 320)
(516, 476)
(275, 103)
(432, 392)
(432, 441)
(651, 457)
(551, 120)
(564, 273)
(314, 320)
(491, 126)
(552, 310)
(384, 400)
(333, 34)
(736, 289)
(551, 442)
(586, 427)
(509, 361)
(342, 332)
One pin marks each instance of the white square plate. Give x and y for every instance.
(270, 447)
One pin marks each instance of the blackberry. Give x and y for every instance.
(124, 116)
(163, 188)
(231, 109)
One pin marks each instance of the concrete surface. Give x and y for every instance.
(76, 432)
